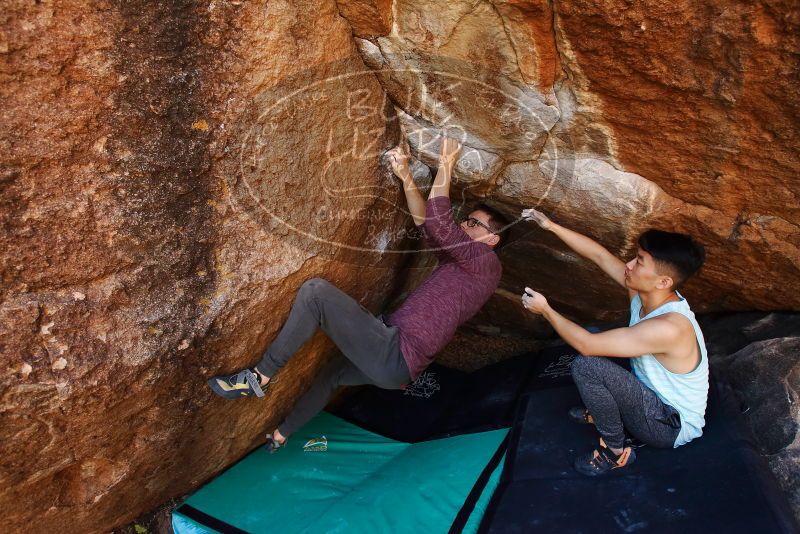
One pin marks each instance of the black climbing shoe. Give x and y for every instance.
(245, 383)
(602, 460)
(272, 445)
(580, 414)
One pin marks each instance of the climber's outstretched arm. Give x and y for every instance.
(399, 157)
(447, 161)
(656, 336)
(585, 246)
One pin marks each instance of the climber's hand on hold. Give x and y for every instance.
(533, 301)
(399, 158)
(448, 155)
(449, 152)
(532, 214)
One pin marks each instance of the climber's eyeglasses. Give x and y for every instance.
(472, 222)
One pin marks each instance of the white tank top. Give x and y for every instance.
(686, 392)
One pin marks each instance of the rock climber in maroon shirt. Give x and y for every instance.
(390, 351)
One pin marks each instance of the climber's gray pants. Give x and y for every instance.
(619, 401)
(370, 350)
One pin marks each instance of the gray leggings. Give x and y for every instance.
(371, 350)
(616, 399)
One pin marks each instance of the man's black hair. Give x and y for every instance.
(497, 222)
(677, 252)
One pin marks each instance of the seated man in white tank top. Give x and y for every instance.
(662, 402)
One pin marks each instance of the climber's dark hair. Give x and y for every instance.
(676, 253)
(497, 222)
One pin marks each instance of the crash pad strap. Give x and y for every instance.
(208, 521)
(512, 439)
(477, 490)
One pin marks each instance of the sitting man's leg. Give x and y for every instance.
(617, 400)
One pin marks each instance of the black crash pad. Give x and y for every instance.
(446, 402)
(716, 483)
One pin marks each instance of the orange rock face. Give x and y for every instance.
(614, 118)
(367, 18)
(700, 102)
(172, 172)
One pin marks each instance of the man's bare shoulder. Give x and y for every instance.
(673, 322)
(683, 349)
(670, 331)
(677, 327)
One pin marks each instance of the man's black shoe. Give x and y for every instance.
(602, 460)
(272, 445)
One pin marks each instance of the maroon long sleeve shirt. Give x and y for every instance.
(467, 275)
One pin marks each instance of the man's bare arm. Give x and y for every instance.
(447, 160)
(655, 336)
(585, 246)
(399, 157)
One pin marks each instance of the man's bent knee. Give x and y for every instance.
(583, 365)
(313, 286)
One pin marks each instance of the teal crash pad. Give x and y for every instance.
(333, 476)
